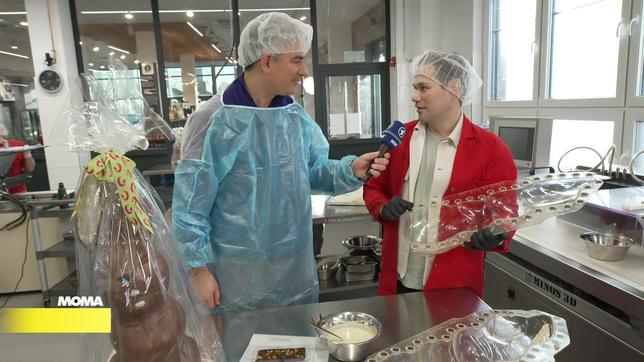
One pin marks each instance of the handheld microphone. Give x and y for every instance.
(391, 139)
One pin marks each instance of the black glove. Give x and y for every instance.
(394, 208)
(484, 240)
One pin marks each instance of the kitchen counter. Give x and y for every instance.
(555, 246)
(325, 213)
(401, 316)
(548, 268)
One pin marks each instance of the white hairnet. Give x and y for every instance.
(445, 67)
(273, 33)
(3, 130)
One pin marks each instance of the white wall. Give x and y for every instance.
(446, 25)
(62, 165)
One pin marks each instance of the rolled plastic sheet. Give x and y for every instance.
(126, 255)
(496, 335)
(505, 206)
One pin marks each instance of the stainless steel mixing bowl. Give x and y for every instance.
(607, 247)
(349, 351)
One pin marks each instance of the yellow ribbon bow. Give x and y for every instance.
(117, 168)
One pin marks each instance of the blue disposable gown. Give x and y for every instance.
(245, 207)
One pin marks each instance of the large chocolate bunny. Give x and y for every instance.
(133, 277)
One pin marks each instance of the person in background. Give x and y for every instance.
(23, 161)
(442, 153)
(242, 209)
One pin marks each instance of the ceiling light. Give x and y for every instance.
(14, 54)
(24, 23)
(136, 61)
(80, 43)
(111, 53)
(118, 49)
(17, 84)
(193, 28)
(122, 57)
(1, 20)
(96, 49)
(303, 17)
(14, 46)
(214, 46)
(91, 64)
(129, 16)
(102, 67)
(189, 13)
(13, 13)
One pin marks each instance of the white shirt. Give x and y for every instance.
(445, 154)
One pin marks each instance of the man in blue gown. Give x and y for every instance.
(242, 211)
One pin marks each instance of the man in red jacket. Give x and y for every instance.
(23, 161)
(442, 153)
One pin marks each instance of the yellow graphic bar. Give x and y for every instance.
(55, 320)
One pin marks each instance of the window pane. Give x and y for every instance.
(351, 31)
(128, 105)
(639, 145)
(354, 106)
(567, 134)
(584, 49)
(297, 9)
(513, 24)
(108, 29)
(18, 103)
(225, 76)
(196, 37)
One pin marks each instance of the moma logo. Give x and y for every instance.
(77, 301)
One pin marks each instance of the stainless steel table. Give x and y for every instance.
(402, 316)
(323, 213)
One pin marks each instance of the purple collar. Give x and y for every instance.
(236, 94)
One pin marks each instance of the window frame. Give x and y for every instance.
(546, 33)
(319, 72)
(635, 69)
(341, 147)
(488, 62)
(632, 116)
(591, 114)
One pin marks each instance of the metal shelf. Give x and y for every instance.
(66, 287)
(63, 248)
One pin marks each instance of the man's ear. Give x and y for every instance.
(265, 62)
(455, 86)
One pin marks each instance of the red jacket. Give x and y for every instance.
(481, 159)
(17, 167)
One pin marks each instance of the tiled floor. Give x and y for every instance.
(64, 347)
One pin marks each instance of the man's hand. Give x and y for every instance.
(395, 208)
(361, 165)
(206, 287)
(484, 240)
